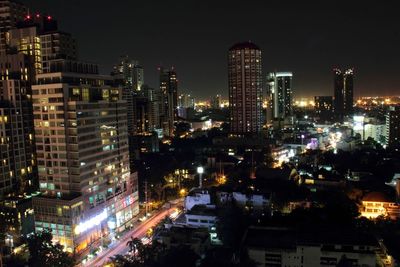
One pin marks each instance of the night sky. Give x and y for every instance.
(308, 39)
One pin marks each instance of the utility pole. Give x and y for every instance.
(252, 169)
(145, 197)
(200, 171)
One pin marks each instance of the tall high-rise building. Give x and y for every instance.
(18, 170)
(393, 127)
(153, 98)
(137, 77)
(245, 88)
(348, 80)
(17, 160)
(323, 108)
(343, 92)
(123, 71)
(57, 45)
(185, 101)
(130, 72)
(169, 89)
(280, 94)
(88, 190)
(215, 102)
(11, 13)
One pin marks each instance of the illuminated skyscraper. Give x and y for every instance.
(88, 191)
(215, 102)
(137, 77)
(393, 127)
(11, 13)
(130, 72)
(323, 108)
(169, 89)
(280, 94)
(18, 172)
(343, 92)
(245, 88)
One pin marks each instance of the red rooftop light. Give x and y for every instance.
(28, 17)
(37, 15)
(49, 17)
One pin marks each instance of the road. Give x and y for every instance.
(138, 232)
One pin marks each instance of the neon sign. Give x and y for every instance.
(92, 222)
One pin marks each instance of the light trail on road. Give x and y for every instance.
(137, 232)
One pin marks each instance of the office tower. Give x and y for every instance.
(129, 75)
(245, 88)
(323, 108)
(280, 94)
(141, 112)
(348, 78)
(185, 101)
(38, 36)
(89, 193)
(151, 95)
(215, 102)
(130, 72)
(11, 12)
(137, 77)
(169, 89)
(18, 172)
(57, 45)
(393, 127)
(343, 92)
(338, 104)
(26, 40)
(123, 71)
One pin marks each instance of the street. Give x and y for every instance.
(138, 232)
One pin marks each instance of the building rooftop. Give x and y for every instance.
(244, 45)
(268, 237)
(185, 235)
(377, 197)
(202, 210)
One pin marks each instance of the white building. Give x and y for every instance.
(257, 201)
(369, 127)
(197, 197)
(201, 216)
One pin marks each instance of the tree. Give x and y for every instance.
(135, 246)
(121, 261)
(232, 223)
(42, 251)
(181, 256)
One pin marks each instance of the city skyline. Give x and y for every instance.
(313, 40)
(143, 162)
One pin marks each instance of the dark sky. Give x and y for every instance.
(305, 37)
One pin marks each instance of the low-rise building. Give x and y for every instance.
(375, 204)
(286, 247)
(197, 196)
(257, 201)
(198, 239)
(201, 216)
(250, 200)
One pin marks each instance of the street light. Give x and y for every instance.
(200, 171)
